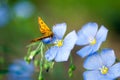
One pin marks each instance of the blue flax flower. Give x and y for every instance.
(62, 48)
(101, 66)
(91, 38)
(20, 70)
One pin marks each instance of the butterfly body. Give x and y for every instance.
(45, 30)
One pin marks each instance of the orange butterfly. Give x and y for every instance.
(44, 29)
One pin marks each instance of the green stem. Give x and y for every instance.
(71, 68)
(29, 49)
(41, 62)
(71, 59)
(32, 44)
(32, 54)
(40, 45)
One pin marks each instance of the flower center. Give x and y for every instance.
(104, 70)
(93, 41)
(59, 43)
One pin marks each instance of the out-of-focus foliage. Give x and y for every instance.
(18, 26)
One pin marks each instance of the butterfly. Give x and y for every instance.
(44, 29)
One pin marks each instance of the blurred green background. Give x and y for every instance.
(19, 25)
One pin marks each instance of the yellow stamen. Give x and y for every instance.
(59, 43)
(93, 41)
(104, 70)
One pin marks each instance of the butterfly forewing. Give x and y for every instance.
(44, 29)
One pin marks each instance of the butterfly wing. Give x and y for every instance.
(44, 29)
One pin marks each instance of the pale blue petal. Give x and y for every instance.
(59, 30)
(96, 46)
(85, 51)
(114, 71)
(102, 34)
(94, 75)
(88, 30)
(108, 57)
(82, 39)
(70, 40)
(62, 54)
(51, 53)
(91, 75)
(93, 62)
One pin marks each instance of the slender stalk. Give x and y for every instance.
(41, 62)
(40, 45)
(29, 49)
(71, 60)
